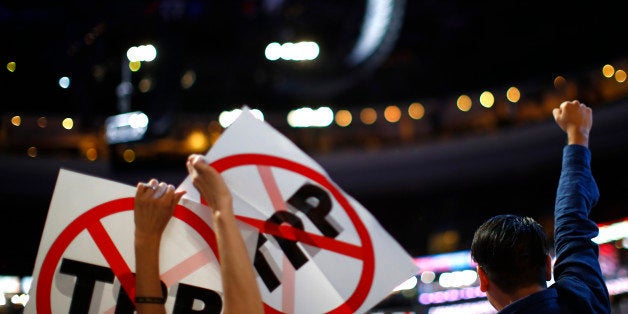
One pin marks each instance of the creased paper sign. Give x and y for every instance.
(86, 259)
(319, 250)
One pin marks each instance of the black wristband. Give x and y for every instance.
(156, 300)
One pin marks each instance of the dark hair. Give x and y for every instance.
(511, 250)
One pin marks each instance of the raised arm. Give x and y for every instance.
(241, 293)
(154, 205)
(577, 268)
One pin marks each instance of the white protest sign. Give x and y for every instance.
(86, 259)
(319, 250)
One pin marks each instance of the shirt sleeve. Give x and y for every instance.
(577, 267)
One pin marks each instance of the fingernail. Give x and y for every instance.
(161, 189)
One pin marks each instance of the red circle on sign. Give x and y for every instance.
(58, 247)
(368, 257)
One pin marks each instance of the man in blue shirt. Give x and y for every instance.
(512, 252)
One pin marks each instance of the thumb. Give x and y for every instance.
(556, 113)
(178, 195)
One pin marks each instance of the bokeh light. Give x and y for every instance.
(188, 79)
(343, 118)
(135, 65)
(513, 94)
(464, 103)
(197, 141)
(620, 76)
(91, 154)
(67, 123)
(128, 155)
(145, 85)
(559, 82)
(487, 99)
(16, 120)
(11, 66)
(368, 116)
(42, 122)
(392, 114)
(416, 111)
(32, 151)
(64, 82)
(608, 70)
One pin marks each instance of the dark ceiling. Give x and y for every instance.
(432, 48)
(443, 47)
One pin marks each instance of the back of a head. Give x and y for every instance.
(512, 251)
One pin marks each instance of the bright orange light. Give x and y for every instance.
(416, 111)
(620, 76)
(343, 118)
(608, 70)
(392, 114)
(197, 141)
(16, 120)
(513, 94)
(464, 103)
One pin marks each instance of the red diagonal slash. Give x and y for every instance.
(288, 271)
(114, 258)
(295, 234)
(173, 275)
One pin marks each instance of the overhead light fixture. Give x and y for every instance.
(126, 127)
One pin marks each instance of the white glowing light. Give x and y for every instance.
(226, 118)
(126, 127)
(142, 53)
(301, 51)
(138, 120)
(26, 282)
(273, 51)
(20, 299)
(308, 117)
(457, 278)
(377, 21)
(612, 232)
(64, 82)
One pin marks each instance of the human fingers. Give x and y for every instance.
(146, 189)
(160, 190)
(174, 195)
(201, 165)
(192, 160)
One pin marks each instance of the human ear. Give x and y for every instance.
(484, 283)
(548, 267)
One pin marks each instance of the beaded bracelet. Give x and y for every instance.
(156, 300)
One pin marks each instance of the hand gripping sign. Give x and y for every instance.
(318, 250)
(86, 256)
